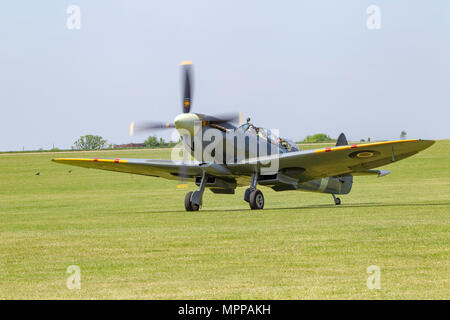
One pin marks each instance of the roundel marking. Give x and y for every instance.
(366, 154)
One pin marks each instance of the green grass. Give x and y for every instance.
(132, 238)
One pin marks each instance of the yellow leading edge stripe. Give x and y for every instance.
(91, 160)
(362, 145)
(316, 151)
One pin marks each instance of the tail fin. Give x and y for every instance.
(342, 140)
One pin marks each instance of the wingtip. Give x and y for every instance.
(428, 142)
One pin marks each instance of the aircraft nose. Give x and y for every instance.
(186, 122)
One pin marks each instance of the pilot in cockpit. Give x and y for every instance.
(287, 145)
(282, 143)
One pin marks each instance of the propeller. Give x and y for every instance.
(184, 121)
(187, 94)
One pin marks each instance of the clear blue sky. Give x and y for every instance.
(301, 66)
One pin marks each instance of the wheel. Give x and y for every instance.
(256, 200)
(188, 204)
(187, 201)
(337, 201)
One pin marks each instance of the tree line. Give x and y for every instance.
(93, 142)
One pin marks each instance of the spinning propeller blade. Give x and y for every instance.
(232, 117)
(187, 85)
(182, 171)
(139, 127)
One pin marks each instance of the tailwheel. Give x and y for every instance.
(188, 203)
(256, 200)
(337, 201)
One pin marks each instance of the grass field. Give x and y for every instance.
(132, 238)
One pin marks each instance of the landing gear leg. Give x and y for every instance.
(252, 187)
(337, 201)
(253, 196)
(193, 199)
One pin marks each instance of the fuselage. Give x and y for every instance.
(227, 145)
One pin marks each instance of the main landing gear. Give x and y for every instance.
(193, 199)
(253, 196)
(337, 201)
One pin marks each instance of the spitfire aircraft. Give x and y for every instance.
(246, 155)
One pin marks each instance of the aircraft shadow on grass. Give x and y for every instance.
(319, 206)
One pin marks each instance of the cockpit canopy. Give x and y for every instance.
(285, 145)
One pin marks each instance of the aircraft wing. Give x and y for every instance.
(350, 159)
(307, 165)
(156, 168)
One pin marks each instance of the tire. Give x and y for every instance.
(247, 194)
(188, 204)
(256, 200)
(337, 201)
(187, 201)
